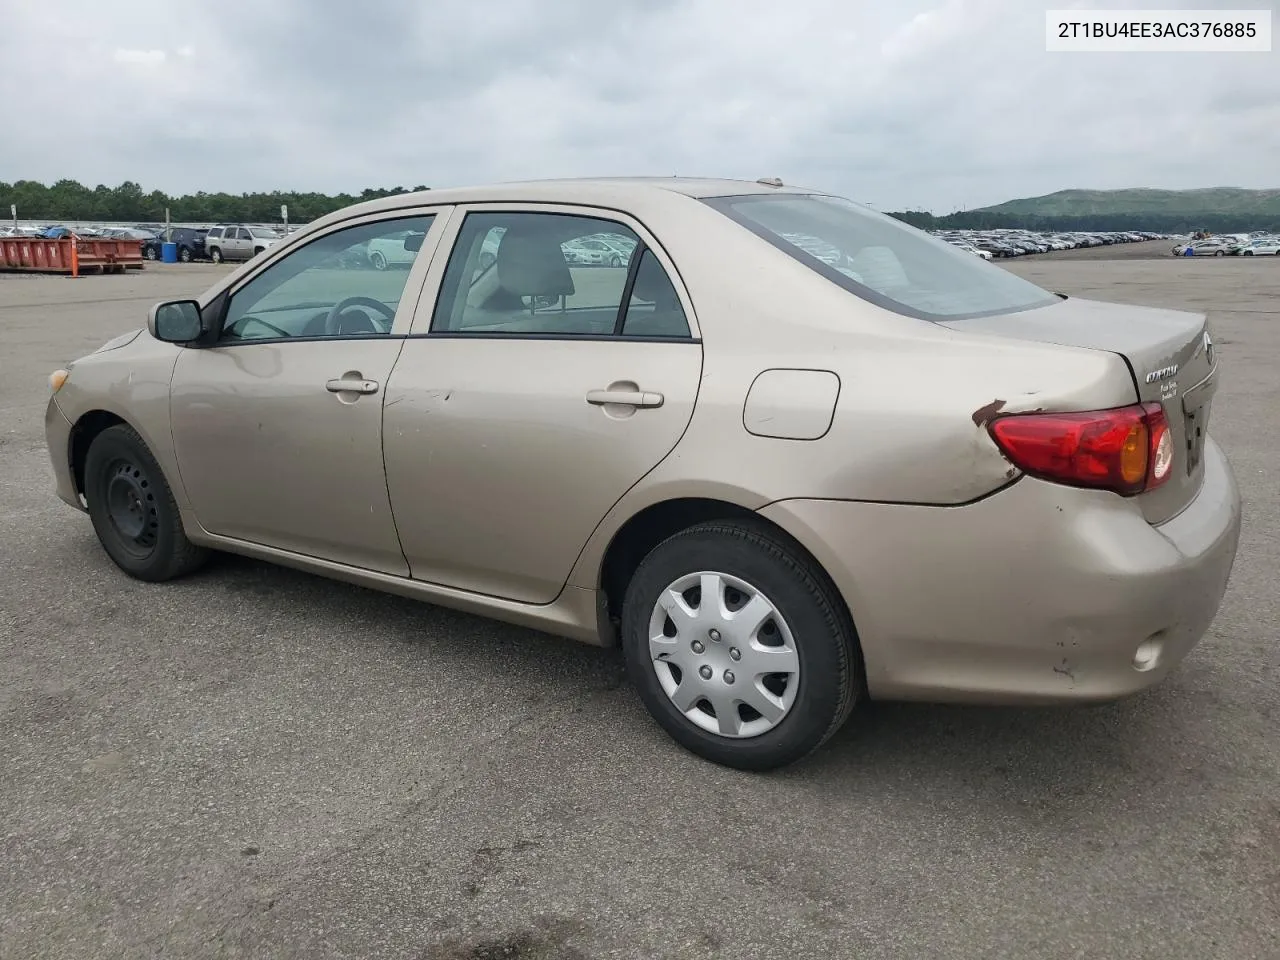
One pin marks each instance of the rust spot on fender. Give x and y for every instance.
(984, 413)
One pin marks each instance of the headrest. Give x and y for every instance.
(533, 265)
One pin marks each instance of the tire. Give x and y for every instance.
(215, 255)
(1218, 253)
(378, 260)
(1248, 253)
(754, 562)
(133, 510)
(615, 261)
(184, 254)
(149, 253)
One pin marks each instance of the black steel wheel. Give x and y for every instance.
(133, 510)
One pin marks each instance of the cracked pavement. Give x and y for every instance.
(255, 762)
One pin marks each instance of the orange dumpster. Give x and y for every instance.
(38, 255)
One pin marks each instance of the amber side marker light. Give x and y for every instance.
(1128, 450)
(57, 379)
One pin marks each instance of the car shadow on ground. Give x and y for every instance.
(1045, 756)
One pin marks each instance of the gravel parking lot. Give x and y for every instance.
(259, 763)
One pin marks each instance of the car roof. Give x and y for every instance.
(619, 190)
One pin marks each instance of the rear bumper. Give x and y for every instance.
(57, 434)
(1038, 594)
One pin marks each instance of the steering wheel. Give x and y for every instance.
(333, 321)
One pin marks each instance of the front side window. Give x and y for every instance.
(327, 288)
(881, 259)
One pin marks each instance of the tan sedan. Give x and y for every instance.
(782, 482)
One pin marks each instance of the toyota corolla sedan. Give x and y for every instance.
(781, 481)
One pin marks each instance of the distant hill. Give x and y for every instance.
(1142, 201)
(1221, 209)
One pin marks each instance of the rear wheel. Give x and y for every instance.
(378, 261)
(133, 510)
(184, 254)
(738, 647)
(1219, 253)
(149, 253)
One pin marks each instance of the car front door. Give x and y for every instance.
(277, 425)
(528, 399)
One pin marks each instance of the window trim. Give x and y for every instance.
(725, 206)
(218, 299)
(423, 316)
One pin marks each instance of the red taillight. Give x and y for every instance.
(1127, 450)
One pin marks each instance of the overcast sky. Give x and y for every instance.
(920, 104)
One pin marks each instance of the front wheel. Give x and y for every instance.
(738, 646)
(184, 254)
(149, 253)
(215, 255)
(133, 510)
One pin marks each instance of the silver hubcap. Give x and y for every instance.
(724, 655)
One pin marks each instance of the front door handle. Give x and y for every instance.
(352, 385)
(626, 398)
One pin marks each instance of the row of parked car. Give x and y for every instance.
(224, 241)
(60, 232)
(1259, 244)
(1016, 243)
(238, 242)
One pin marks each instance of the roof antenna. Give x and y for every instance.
(770, 181)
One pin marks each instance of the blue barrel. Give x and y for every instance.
(169, 252)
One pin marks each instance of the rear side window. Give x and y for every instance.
(526, 274)
(655, 309)
(883, 260)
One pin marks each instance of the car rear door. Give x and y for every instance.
(527, 401)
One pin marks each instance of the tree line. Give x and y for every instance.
(129, 203)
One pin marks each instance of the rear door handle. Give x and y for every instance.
(352, 386)
(627, 398)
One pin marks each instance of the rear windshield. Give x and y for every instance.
(883, 260)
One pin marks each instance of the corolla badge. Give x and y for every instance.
(1164, 373)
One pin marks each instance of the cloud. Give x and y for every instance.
(933, 104)
(145, 58)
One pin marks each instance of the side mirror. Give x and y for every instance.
(177, 321)
(413, 241)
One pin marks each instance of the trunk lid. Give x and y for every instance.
(1171, 360)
